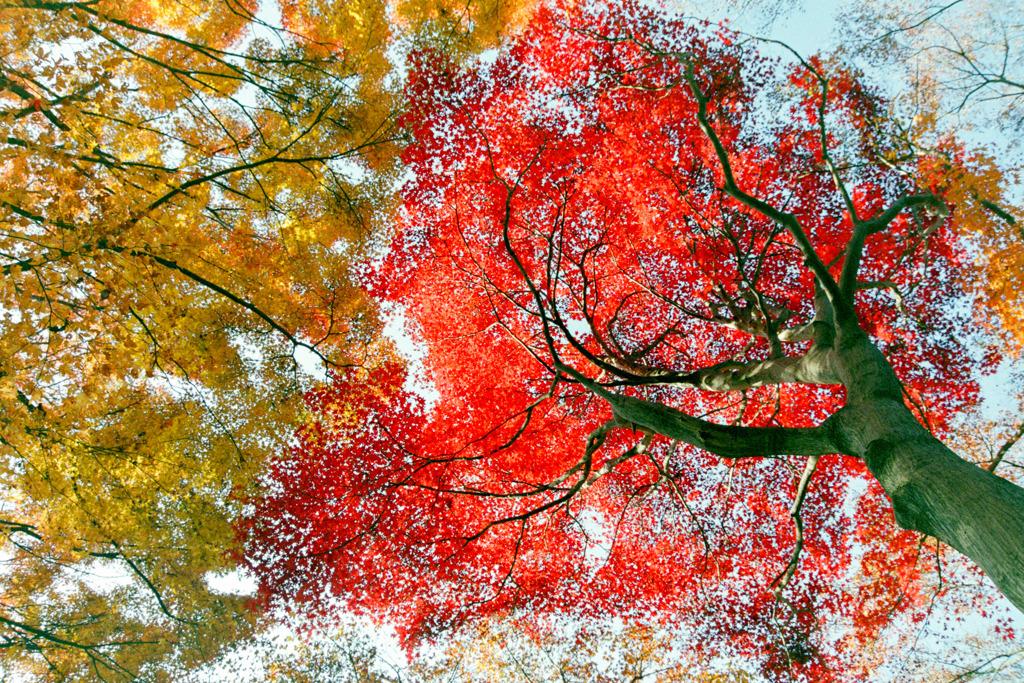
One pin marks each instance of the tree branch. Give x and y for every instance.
(862, 229)
(1005, 448)
(723, 440)
(729, 186)
(784, 578)
(810, 368)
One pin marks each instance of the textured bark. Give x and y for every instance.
(932, 489)
(722, 440)
(814, 367)
(936, 492)
(811, 368)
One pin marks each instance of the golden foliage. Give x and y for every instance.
(959, 65)
(977, 187)
(499, 649)
(504, 649)
(184, 189)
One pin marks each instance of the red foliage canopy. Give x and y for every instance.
(566, 210)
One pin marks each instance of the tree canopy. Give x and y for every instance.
(690, 318)
(694, 320)
(961, 69)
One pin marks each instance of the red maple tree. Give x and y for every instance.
(685, 329)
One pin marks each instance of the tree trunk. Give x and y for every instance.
(936, 492)
(932, 489)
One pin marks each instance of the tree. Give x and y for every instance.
(507, 649)
(185, 189)
(958, 70)
(157, 279)
(564, 650)
(679, 351)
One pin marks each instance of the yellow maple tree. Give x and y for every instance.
(184, 189)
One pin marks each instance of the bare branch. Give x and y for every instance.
(1006, 448)
(794, 512)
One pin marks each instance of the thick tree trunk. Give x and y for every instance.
(932, 489)
(936, 492)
